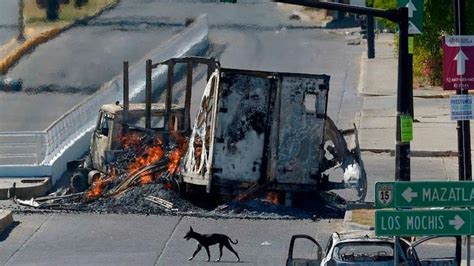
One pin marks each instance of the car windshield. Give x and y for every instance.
(363, 252)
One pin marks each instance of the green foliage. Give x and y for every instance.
(438, 20)
(428, 56)
(385, 4)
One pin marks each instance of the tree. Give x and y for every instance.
(52, 8)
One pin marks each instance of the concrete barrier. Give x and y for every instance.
(6, 219)
(69, 136)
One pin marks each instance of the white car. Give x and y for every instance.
(357, 248)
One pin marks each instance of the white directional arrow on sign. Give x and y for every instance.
(408, 194)
(461, 60)
(413, 29)
(411, 8)
(458, 222)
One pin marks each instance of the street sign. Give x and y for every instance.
(422, 222)
(461, 107)
(415, 15)
(424, 194)
(458, 62)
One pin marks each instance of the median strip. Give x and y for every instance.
(41, 32)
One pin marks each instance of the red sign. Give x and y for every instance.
(458, 62)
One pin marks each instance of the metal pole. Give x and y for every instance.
(395, 251)
(125, 92)
(148, 94)
(463, 127)
(391, 14)
(402, 150)
(169, 94)
(370, 37)
(21, 21)
(187, 99)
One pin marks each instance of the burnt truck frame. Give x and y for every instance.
(252, 129)
(262, 128)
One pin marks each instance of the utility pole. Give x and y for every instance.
(404, 102)
(21, 21)
(405, 75)
(370, 37)
(463, 126)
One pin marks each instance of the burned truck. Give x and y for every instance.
(253, 130)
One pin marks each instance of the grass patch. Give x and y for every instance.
(35, 16)
(365, 217)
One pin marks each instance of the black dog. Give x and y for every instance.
(209, 240)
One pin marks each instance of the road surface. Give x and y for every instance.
(252, 34)
(88, 239)
(8, 21)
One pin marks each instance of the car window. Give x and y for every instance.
(363, 252)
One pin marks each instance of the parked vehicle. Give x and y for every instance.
(363, 248)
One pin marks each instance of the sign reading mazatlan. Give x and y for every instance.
(422, 222)
(424, 194)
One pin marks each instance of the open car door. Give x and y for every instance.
(419, 249)
(291, 261)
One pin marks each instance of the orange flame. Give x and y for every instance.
(151, 155)
(99, 184)
(176, 154)
(272, 197)
(131, 140)
(146, 178)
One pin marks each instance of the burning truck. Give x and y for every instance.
(253, 131)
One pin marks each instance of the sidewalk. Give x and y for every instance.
(434, 134)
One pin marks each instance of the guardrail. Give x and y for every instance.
(68, 137)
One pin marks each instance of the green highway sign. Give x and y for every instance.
(424, 194)
(415, 14)
(422, 222)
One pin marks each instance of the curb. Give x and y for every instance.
(362, 73)
(415, 153)
(28, 46)
(348, 224)
(24, 188)
(6, 219)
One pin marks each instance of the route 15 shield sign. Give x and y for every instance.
(384, 194)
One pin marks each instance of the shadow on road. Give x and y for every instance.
(6, 233)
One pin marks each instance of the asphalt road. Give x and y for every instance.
(76, 63)
(82, 239)
(8, 20)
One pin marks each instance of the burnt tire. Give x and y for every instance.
(79, 182)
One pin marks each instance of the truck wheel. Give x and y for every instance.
(79, 182)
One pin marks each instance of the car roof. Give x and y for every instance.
(359, 236)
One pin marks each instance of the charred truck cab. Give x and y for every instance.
(111, 127)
